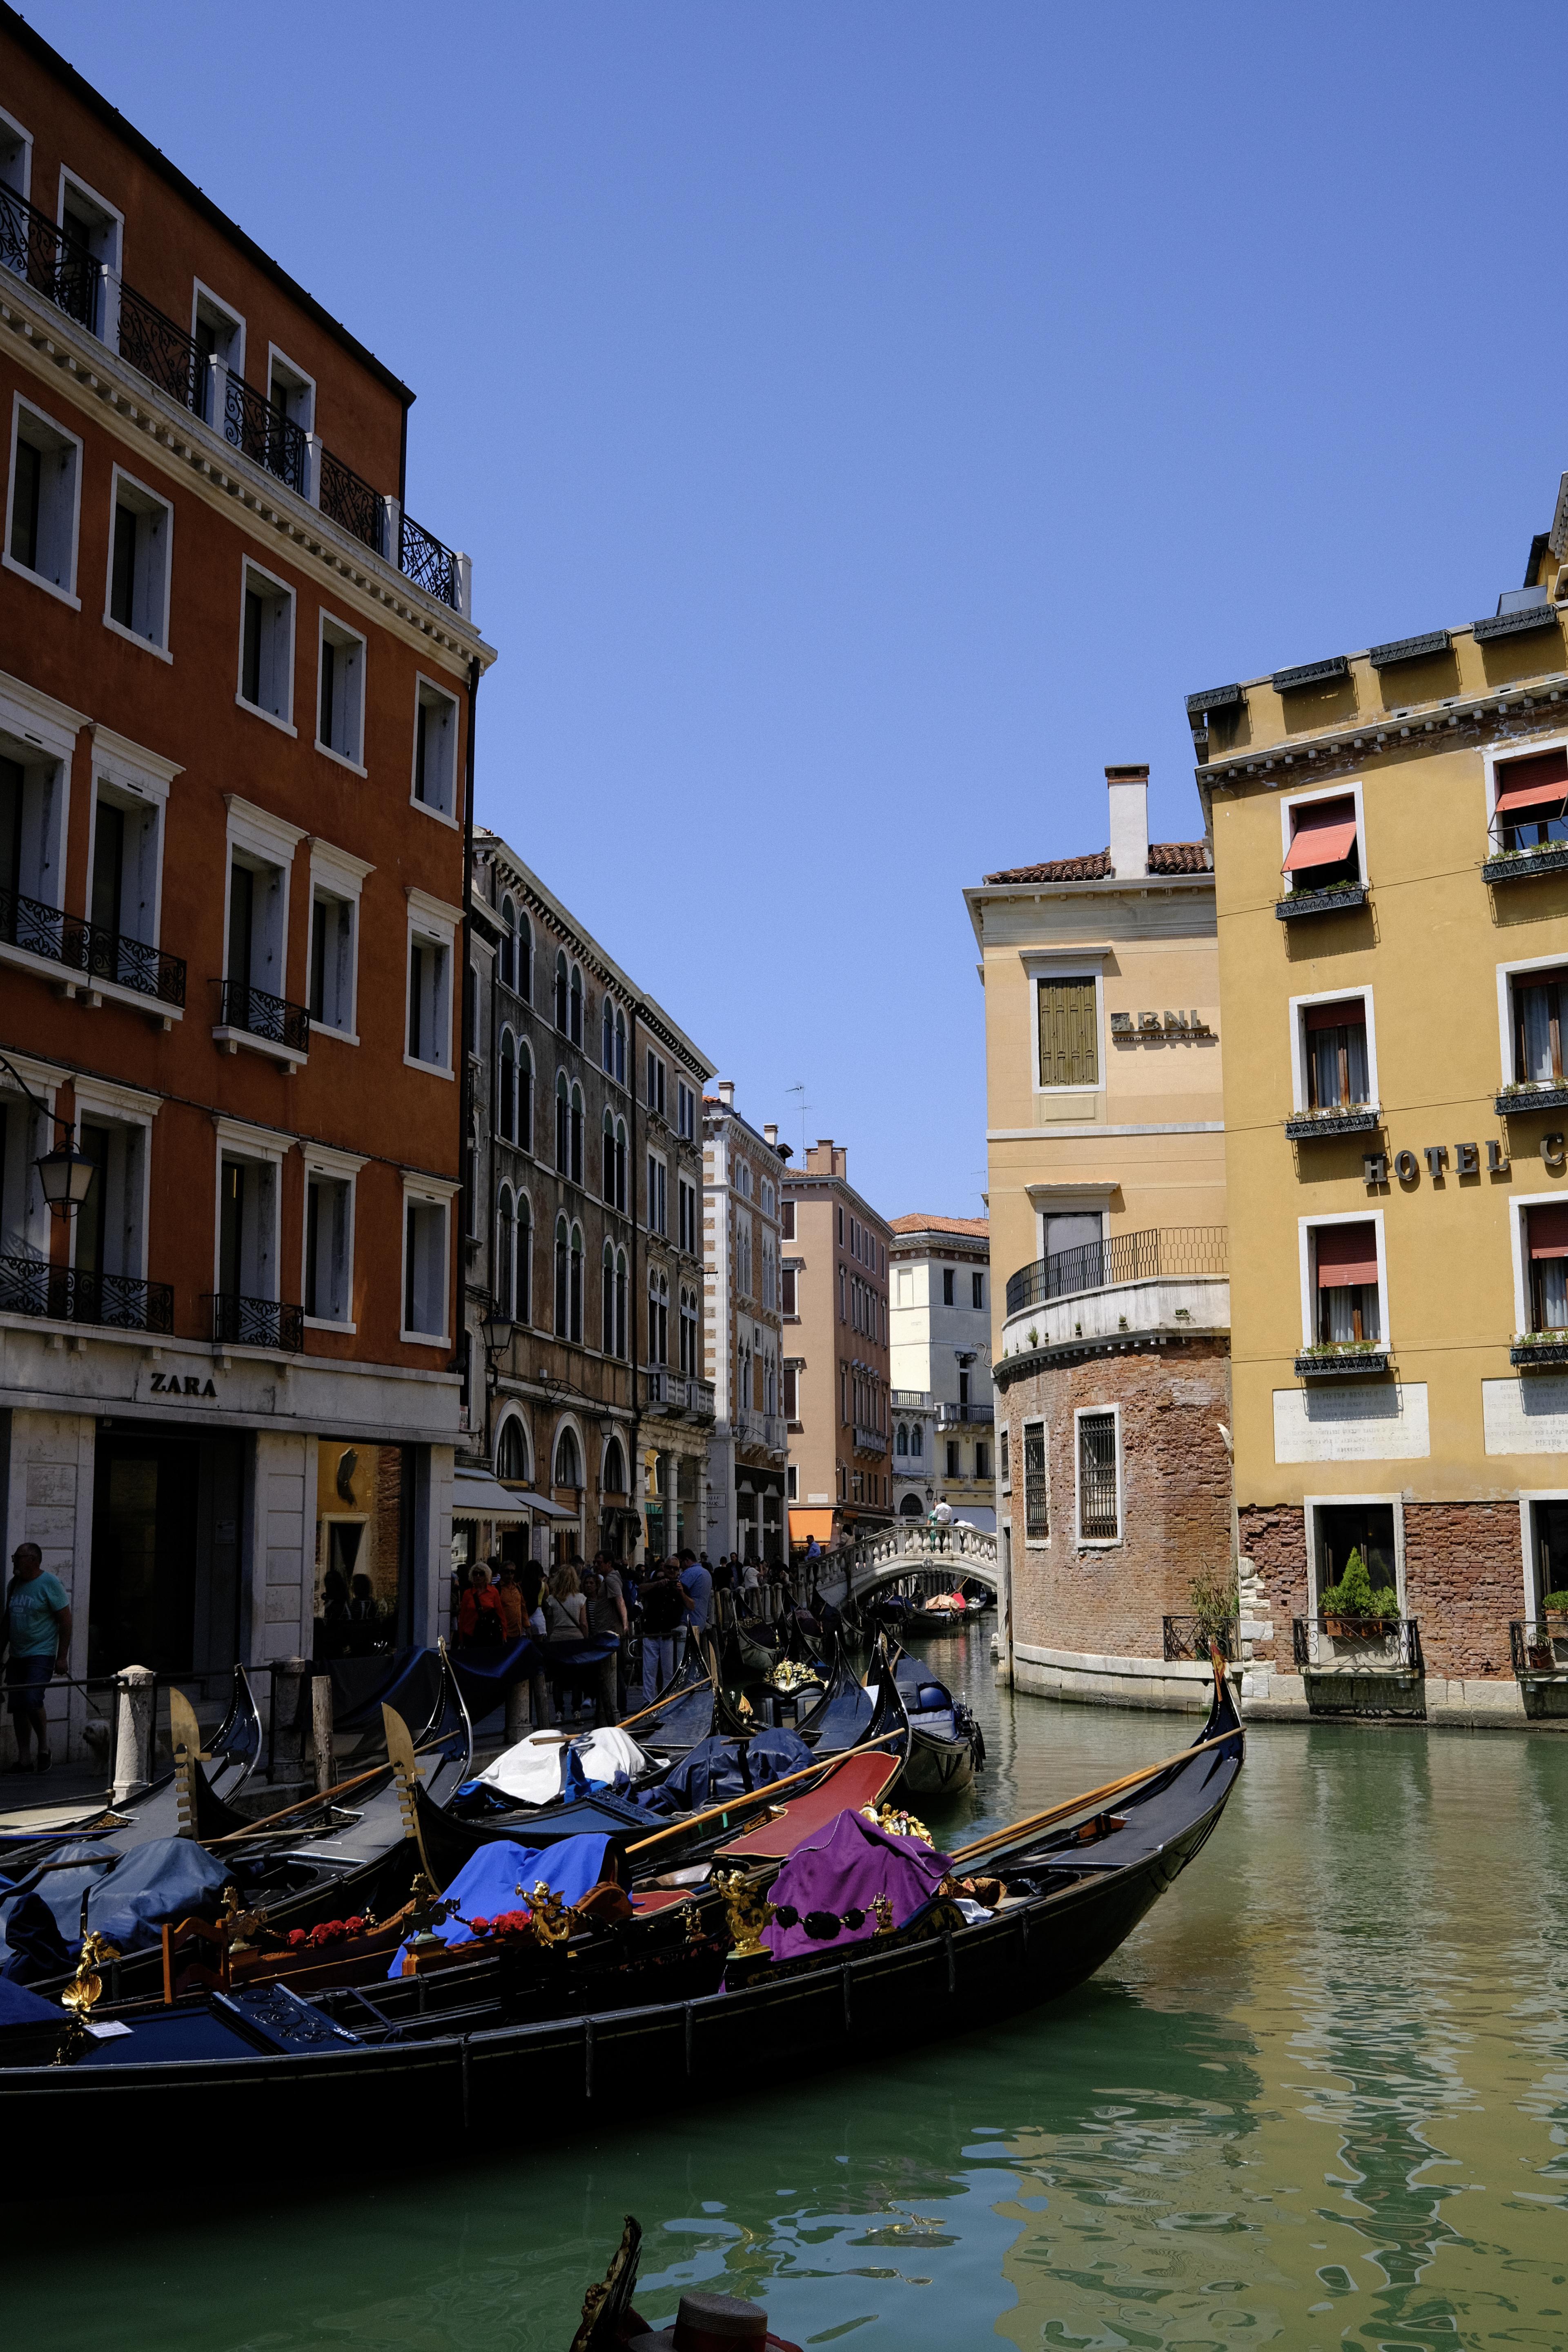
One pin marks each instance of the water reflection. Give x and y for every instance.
(1321, 2097)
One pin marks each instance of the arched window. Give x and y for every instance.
(576, 1135)
(576, 1006)
(620, 1048)
(562, 1015)
(688, 1363)
(525, 1096)
(609, 1180)
(562, 1260)
(512, 1449)
(576, 1299)
(525, 959)
(902, 1439)
(607, 1036)
(506, 1089)
(916, 1438)
(621, 1164)
(621, 1290)
(568, 1469)
(657, 1318)
(608, 1302)
(505, 1260)
(523, 1312)
(508, 944)
(910, 1508)
(562, 1123)
(614, 1481)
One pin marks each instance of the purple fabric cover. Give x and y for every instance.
(842, 1870)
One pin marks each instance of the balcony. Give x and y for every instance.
(54, 264)
(1361, 1666)
(676, 1395)
(104, 959)
(1158, 1253)
(1338, 898)
(1525, 865)
(1163, 1284)
(1540, 1651)
(870, 1440)
(949, 1416)
(251, 1015)
(1342, 1359)
(1356, 1118)
(242, 1322)
(66, 1293)
(1539, 1351)
(910, 1400)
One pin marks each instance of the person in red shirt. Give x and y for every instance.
(480, 1625)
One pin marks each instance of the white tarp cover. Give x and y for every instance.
(531, 1772)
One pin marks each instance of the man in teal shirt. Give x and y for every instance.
(36, 1635)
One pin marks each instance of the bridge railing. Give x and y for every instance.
(967, 1551)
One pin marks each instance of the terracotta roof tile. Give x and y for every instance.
(934, 1224)
(1164, 857)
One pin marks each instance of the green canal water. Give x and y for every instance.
(1319, 2098)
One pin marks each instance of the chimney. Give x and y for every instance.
(727, 1085)
(1128, 789)
(771, 1132)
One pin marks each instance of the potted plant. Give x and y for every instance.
(1555, 1605)
(1348, 1599)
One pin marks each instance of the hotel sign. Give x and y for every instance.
(1153, 1028)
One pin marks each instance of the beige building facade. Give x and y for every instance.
(940, 1321)
(836, 1384)
(743, 1172)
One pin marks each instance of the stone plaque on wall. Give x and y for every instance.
(1529, 1416)
(1382, 1423)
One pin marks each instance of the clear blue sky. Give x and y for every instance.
(867, 421)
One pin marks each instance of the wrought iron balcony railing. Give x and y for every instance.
(1367, 1646)
(1160, 1251)
(242, 1322)
(263, 434)
(162, 351)
(69, 1294)
(348, 499)
(79, 946)
(1540, 1645)
(37, 249)
(427, 563)
(1191, 1637)
(261, 1015)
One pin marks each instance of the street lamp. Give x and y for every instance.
(495, 1329)
(65, 1173)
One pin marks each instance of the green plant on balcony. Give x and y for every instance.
(1555, 1604)
(1558, 1339)
(1033, 1337)
(1356, 1597)
(1320, 889)
(1325, 1350)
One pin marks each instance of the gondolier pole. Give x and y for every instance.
(1016, 1829)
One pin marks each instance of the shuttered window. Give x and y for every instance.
(1098, 1516)
(1069, 1045)
(1037, 1503)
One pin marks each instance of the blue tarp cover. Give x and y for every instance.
(719, 1769)
(500, 1877)
(20, 2007)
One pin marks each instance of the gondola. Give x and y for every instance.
(609, 2324)
(375, 2067)
(946, 1748)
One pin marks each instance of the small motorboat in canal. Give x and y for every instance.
(454, 2056)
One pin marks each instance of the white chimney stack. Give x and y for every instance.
(1128, 789)
(727, 1091)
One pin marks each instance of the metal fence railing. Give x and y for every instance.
(1333, 1644)
(1157, 1253)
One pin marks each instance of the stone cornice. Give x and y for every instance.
(1501, 714)
(1054, 1356)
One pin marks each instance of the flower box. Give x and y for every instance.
(1524, 864)
(1528, 1097)
(1339, 898)
(1350, 1361)
(1357, 1119)
(1529, 1354)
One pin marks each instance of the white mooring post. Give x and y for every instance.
(133, 1732)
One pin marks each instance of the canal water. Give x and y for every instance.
(1319, 2098)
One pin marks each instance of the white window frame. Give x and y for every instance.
(658, 1159)
(1507, 973)
(1300, 1006)
(426, 1192)
(235, 1140)
(1527, 1496)
(114, 260)
(1059, 964)
(1289, 801)
(38, 724)
(1508, 756)
(1311, 1505)
(258, 833)
(234, 363)
(26, 136)
(158, 646)
(433, 924)
(278, 356)
(63, 590)
(99, 1099)
(356, 639)
(425, 685)
(247, 564)
(341, 876)
(135, 778)
(1305, 1228)
(1095, 1543)
(1032, 1421)
(33, 1134)
(338, 1168)
(1518, 1209)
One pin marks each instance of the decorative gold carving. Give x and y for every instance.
(787, 1676)
(894, 1823)
(553, 1918)
(747, 1911)
(243, 1928)
(883, 1908)
(86, 1988)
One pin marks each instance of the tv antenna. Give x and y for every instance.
(805, 1107)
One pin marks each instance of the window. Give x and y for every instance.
(525, 959)
(523, 1307)
(266, 646)
(125, 874)
(786, 1220)
(562, 1124)
(505, 1252)
(949, 1276)
(685, 1111)
(512, 1450)
(841, 1228)
(219, 334)
(658, 1317)
(608, 1301)
(524, 1097)
(787, 1298)
(977, 1291)
(290, 392)
(568, 1280)
(141, 537)
(791, 1484)
(607, 1182)
(425, 1259)
(1099, 1497)
(506, 1089)
(1531, 806)
(1006, 1474)
(982, 1459)
(658, 1196)
(952, 1458)
(15, 157)
(916, 1441)
(576, 1006)
(620, 1048)
(688, 1329)
(1334, 1043)
(1546, 1232)
(655, 1083)
(508, 944)
(607, 1036)
(843, 1393)
(743, 1256)
(615, 1301)
(686, 1195)
(332, 925)
(568, 1470)
(574, 1108)
(434, 750)
(340, 701)
(792, 1392)
(1323, 842)
(328, 1243)
(108, 1236)
(1539, 1000)
(1346, 1282)
(613, 1478)
(429, 1005)
(842, 1295)
(44, 499)
(1037, 1503)
(246, 1230)
(1068, 1032)
(562, 993)
(902, 1439)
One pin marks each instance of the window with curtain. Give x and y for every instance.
(1532, 804)
(1346, 1262)
(1539, 1002)
(1070, 1033)
(1336, 1056)
(1547, 1232)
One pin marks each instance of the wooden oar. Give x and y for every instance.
(762, 1796)
(264, 1823)
(1023, 1828)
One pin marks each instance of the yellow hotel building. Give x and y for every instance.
(1390, 837)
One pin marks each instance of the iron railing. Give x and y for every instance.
(1336, 1643)
(1192, 1637)
(69, 1294)
(86, 948)
(1158, 1253)
(35, 248)
(1538, 1644)
(263, 434)
(242, 1322)
(348, 499)
(261, 1015)
(162, 351)
(426, 562)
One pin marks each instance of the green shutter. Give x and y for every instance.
(1069, 1045)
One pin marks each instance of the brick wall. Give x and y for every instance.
(1110, 1601)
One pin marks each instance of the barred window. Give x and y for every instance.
(1098, 1513)
(1036, 1500)
(1002, 1437)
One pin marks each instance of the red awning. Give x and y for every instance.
(1541, 783)
(1350, 1013)
(1549, 1232)
(1346, 1255)
(1325, 833)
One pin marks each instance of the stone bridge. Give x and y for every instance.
(930, 1559)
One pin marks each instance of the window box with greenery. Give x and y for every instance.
(1335, 1072)
(1356, 1118)
(1545, 1345)
(1349, 1313)
(1355, 1609)
(1530, 818)
(1539, 1351)
(1538, 1003)
(1517, 1098)
(1362, 1357)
